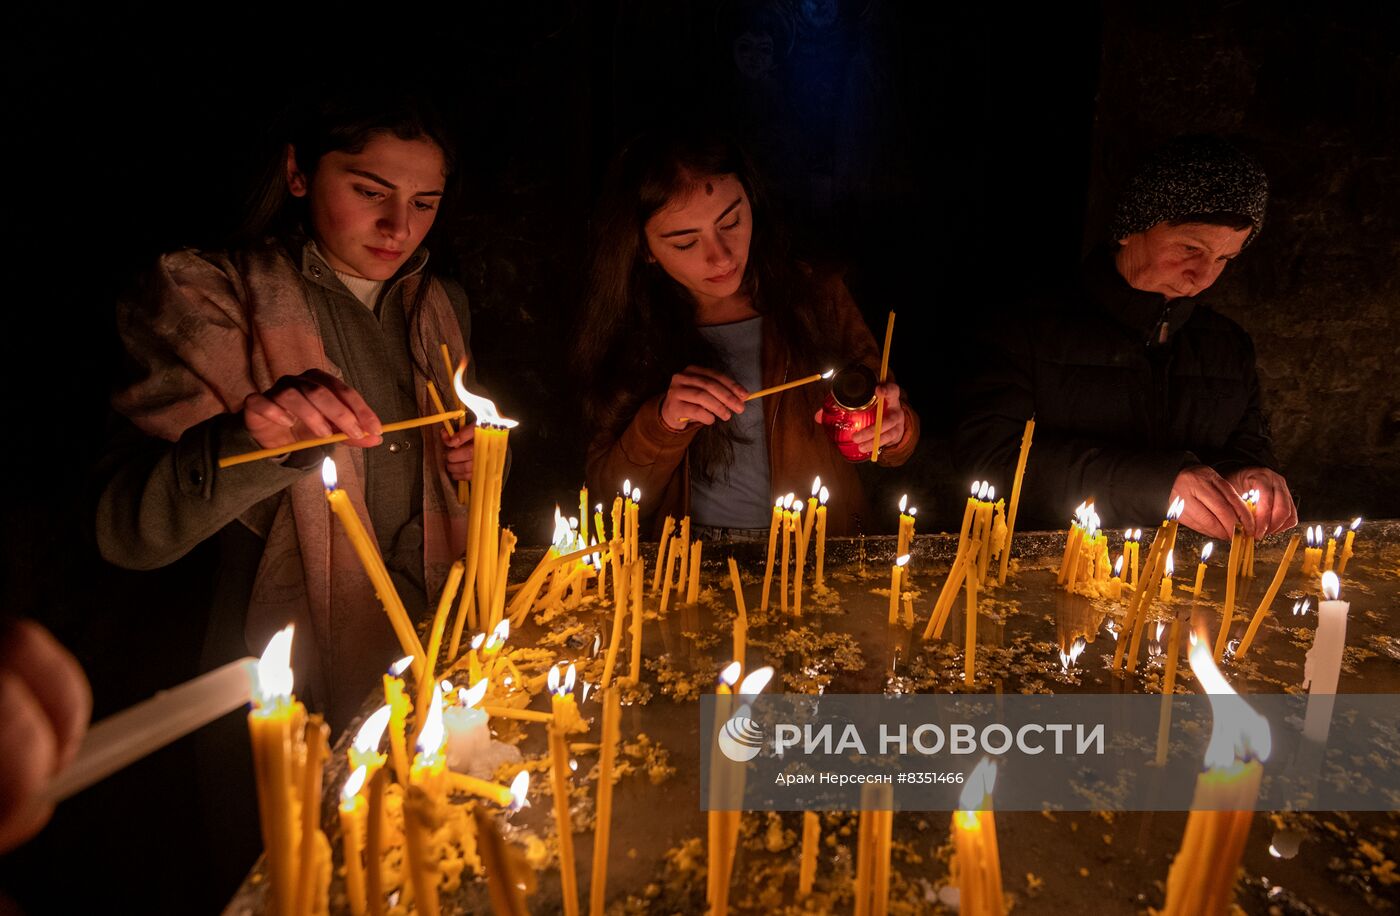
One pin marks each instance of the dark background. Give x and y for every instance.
(950, 160)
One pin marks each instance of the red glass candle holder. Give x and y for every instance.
(849, 408)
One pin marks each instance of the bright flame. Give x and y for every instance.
(637, 495)
(978, 790)
(563, 534)
(558, 686)
(430, 739)
(328, 474)
(1356, 524)
(569, 677)
(729, 676)
(482, 408)
(823, 496)
(913, 511)
(1311, 542)
(1177, 507)
(790, 500)
(1300, 607)
(903, 502)
(1331, 586)
(1238, 733)
(816, 486)
(778, 503)
(903, 559)
(477, 640)
(275, 669)
(354, 783)
(1076, 648)
(500, 634)
(519, 789)
(626, 486)
(446, 686)
(828, 373)
(399, 667)
(982, 491)
(1171, 563)
(1137, 534)
(1118, 566)
(756, 681)
(1338, 533)
(1207, 550)
(976, 485)
(476, 694)
(991, 494)
(372, 732)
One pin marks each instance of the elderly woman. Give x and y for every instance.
(1141, 391)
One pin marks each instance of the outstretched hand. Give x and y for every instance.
(700, 395)
(1213, 504)
(1275, 511)
(312, 404)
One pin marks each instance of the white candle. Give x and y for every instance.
(468, 735)
(1324, 660)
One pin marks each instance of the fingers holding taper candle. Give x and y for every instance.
(314, 401)
(303, 444)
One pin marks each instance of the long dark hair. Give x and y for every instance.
(638, 324)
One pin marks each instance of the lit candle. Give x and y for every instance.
(1268, 600)
(426, 784)
(565, 709)
(490, 446)
(1016, 497)
(429, 669)
(602, 832)
(984, 525)
(1071, 542)
(599, 530)
(821, 540)
(1251, 501)
(1330, 557)
(772, 549)
(468, 734)
(896, 575)
(797, 558)
(272, 728)
(1201, 567)
(1312, 554)
(398, 716)
(906, 523)
(505, 887)
(968, 512)
(978, 860)
(1135, 554)
(1147, 589)
(1115, 584)
(1346, 547)
(1202, 876)
(741, 614)
(1323, 665)
(1166, 593)
(788, 519)
(617, 533)
(352, 810)
(374, 844)
(813, 502)
(373, 565)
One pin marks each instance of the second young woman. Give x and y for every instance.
(695, 301)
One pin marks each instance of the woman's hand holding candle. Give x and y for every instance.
(315, 401)
(1213, 505)
(891, 428)
(700, 395)
(1275, 511)
(460, 450)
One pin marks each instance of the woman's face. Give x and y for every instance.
(1178, 261)
(701, 238)
(371, 209)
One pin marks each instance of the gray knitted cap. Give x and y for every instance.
(1191, 175)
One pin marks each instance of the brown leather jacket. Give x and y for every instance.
(656, 459)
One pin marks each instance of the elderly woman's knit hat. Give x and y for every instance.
(1189, 176)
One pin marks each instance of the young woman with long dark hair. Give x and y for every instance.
(695, 300)
(324, 319)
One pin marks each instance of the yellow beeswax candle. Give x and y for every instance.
(1263, 610)
(561, 697)
(692, 591)
(811, 835)
(773, 530)
(662, 556)
(425, 790)
(271, 728)
(977, 858)
(602, 835)
(741, 616)
(820, 581)
(896, 576)
(1016, 496)
(884, 376)
(1346, 547)
(352, 814)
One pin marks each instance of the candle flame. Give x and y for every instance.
(1331, 586)
(823, 496)
(1076, 648)
(790, 500)
(1171, 563)
(626, 486)
(563, 534)
(816, 485)
(482, 408)
(778, 503)
(982, 491)
(372, 731)
(399, 667)
(354, 783)
(729, 676)
(1238, 733)
(1300, 607)
(476, 694)
(991, 494)
(598, 508)
(1137, 534)
(430, 739)
(1338, 533)
(477, 640)
(1207, 550)
(903, 502)
(1177, 507)
(756, 681)
(275, 669)
(1311, 542)
(903, 559)
(1118, 566)
(976, 485)
(519, 788)
(501, 633)
(828, 373)
(637, 495)
(446, 686)
(1356, 524)
(913, 511)
(583, 698)
(977, 792)
(328, 473)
